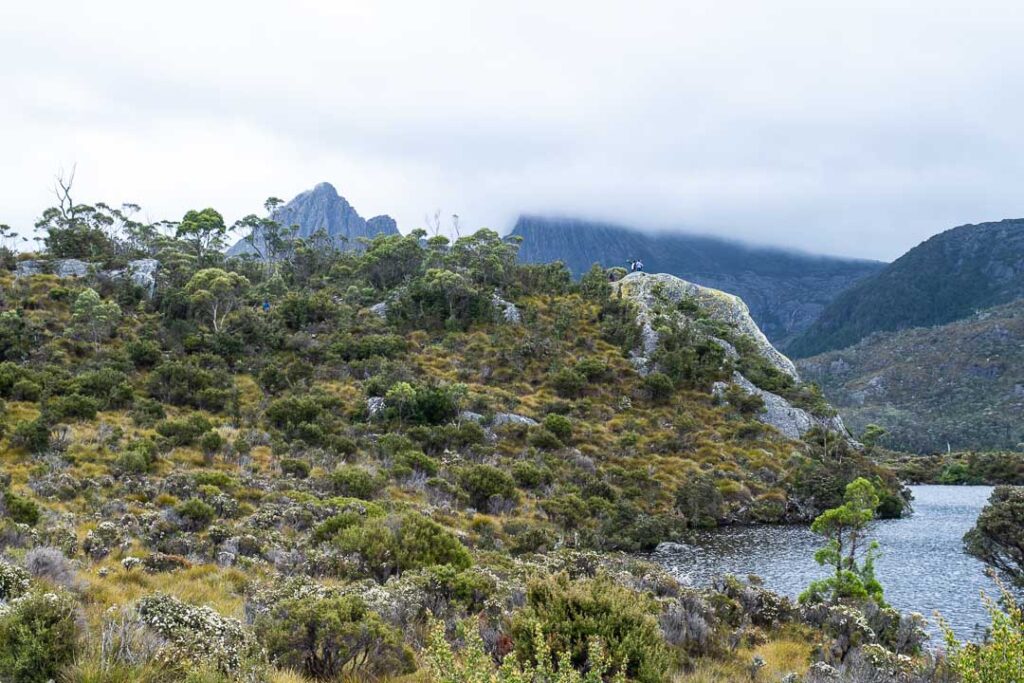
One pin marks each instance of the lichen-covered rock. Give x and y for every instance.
(375, 406)
(380, 310)
(70, 267)
(29, 268)
(646, 290)
(512, 418)
(143, 274)
(508, 310)
(793, 422)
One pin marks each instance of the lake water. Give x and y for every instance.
(923, 567)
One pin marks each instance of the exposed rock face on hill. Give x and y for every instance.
(960, 384)
(141, 272)
(948, 277)
(786, 291)
(323, 208)
(658, 296)
(779, 413)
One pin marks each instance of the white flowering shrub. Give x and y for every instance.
(39, 634)
(100, 541)
(202, 637)
(14, 581)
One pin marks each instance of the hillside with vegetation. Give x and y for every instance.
(785, 290)
(332, 464)
(958, 386)
(949, 277)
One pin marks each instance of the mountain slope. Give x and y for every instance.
(323, 208)
(943, 279)
(785, 290)
(960, 384)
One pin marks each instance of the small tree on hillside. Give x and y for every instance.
(204, 231)
(871, 435)
(847, 550)
(94, 318)
(216, 292)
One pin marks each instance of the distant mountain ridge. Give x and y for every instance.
(322, 207)
(785, 290)
(948, 277)
(960, 384)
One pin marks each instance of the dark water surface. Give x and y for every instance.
(923, 567)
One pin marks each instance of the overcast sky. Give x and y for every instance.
(847, 128)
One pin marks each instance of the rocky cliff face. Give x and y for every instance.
(658, 295)
(323, 208)
(785, 291)
(946, 278)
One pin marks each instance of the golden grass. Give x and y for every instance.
(788, 652)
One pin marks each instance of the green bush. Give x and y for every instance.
(210, 443)
(387, 546)
(26, 390)
(700, 502)
(32, 435)
(559, 425)
(355, 482)
(474, 664)
(1000, 658)
(328, 637)
(305, 418)
(544, 439)
(481, 482)
(73, 407)
(529, 475)
(295, 468)
(571, 613)
(183, 432)
(351, 348)
(594, 369)
(529, 537)
(138, 458)
(184, 383)
(39, 633)
(568, 383)
(997, 537)
(21, 509)
(417, 461)
(196, 514)
(658, 387)
(110, 387)
(144, 353)
(147, 411)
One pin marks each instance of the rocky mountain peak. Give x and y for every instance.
(322, 208)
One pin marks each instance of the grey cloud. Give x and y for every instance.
(851, 128)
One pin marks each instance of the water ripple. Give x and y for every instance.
(923, 567)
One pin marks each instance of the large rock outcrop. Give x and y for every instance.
(322, 208)
(654, 294)
(141, 272)
(649, 289)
